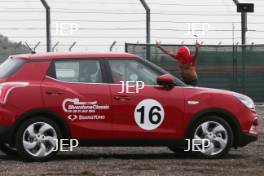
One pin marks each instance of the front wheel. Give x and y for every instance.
(214, 133)
(37, 139)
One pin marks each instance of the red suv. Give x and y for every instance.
(114, 100)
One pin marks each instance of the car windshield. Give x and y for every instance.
(10, 66)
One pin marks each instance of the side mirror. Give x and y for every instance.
(166, 80)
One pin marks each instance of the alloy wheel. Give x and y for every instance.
(39, 139)
(213, 132)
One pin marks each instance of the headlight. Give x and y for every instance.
(248, 102)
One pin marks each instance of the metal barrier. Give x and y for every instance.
(238, 68)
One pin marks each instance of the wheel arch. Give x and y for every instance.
(66, 133)
(226, 115)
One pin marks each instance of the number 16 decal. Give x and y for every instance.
(149, 114)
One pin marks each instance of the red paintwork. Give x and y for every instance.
(119, 122)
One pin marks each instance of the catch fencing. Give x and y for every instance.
(233, 67)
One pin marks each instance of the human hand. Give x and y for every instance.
(158, 44)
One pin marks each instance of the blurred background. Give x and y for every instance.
(95, 24)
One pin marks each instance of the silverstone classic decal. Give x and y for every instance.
(83, 110)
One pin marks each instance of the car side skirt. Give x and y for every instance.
(131, 142)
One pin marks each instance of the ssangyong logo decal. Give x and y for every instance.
(83, 110)
(72, 117)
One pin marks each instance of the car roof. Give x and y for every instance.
(51, 56)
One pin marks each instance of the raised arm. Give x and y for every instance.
(197, 46)
(170, 53)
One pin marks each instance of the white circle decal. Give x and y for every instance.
(149, 114)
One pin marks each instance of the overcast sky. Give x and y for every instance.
(97, 23)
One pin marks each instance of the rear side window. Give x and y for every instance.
(10, 66)
(84, 71)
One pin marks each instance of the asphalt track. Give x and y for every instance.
(146, 161)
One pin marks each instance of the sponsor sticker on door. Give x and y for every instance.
(83, 110)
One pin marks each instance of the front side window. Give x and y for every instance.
(86, 71)
(132, 70)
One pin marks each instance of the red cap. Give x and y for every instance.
(184, 55)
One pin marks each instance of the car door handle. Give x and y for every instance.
(122, 98)
(54, 92)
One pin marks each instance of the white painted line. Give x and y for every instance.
(259, 105)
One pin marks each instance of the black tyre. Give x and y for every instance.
(217, 135)
(8, 150)
(37, 138)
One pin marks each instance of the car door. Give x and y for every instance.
(152, 112)
(77, 91)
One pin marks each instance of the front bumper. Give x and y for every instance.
(250, 127)
(246, 138)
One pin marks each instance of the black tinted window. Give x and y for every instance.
(10, 66)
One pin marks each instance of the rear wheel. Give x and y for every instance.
(37, 139)
(216, 134)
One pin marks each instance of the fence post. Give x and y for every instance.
(243, 30)
(243, 8)
(145, 5)
(47, 7)
(126, 50)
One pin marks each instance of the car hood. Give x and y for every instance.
(204, 93)
(212, 90)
